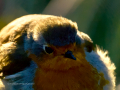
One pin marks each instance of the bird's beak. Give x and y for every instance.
(69, 54)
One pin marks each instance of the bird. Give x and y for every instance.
(47, 52)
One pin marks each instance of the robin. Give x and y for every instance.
(45, 52)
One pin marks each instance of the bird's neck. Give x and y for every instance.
(73, 79)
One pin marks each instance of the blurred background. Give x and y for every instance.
(100, 19)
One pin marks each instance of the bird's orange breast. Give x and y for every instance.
(60, 73)
(81, 78)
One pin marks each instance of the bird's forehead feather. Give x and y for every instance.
(57, 31)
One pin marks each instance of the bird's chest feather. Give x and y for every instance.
(77, 78)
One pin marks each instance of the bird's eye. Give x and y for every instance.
(48, 49)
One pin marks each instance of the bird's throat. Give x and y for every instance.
(79, 78)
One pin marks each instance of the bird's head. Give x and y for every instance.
(58, 45)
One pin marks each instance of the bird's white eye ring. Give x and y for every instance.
(47, 49)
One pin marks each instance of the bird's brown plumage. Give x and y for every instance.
(22, 42)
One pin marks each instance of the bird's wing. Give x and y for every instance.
(13, 57)
(99, 60)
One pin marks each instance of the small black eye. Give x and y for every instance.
(48, 50)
